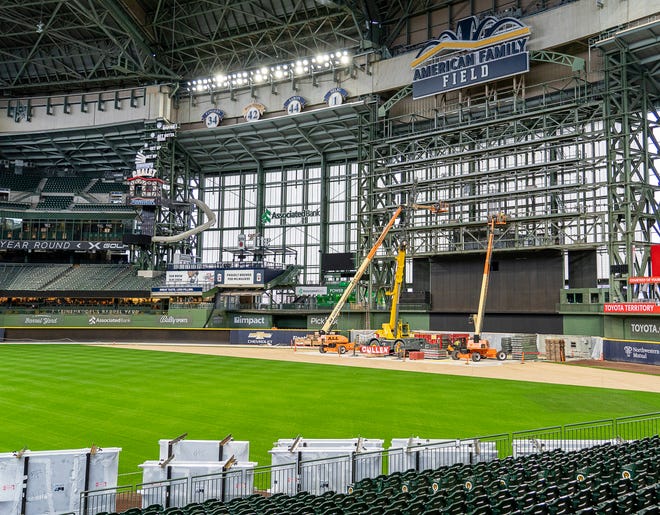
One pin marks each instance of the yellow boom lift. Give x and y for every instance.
(395, 333)
(330, 341)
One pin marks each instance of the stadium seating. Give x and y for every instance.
(24, 183)
(87, 278)
(101, 187)
(27, 277)
(65, 184)
(630, 485)
(8, 274)
(55, 202)
(4, 205)
(15, 277)
(104, 207)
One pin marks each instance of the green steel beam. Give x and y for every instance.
(545, 56)
(398, 96)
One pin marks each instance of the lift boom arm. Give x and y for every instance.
(495, 220)
(332, 318)
(392, 330)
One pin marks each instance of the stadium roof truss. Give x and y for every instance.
(50, 46)
(85, 151)
(328, 134)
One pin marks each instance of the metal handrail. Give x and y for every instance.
(341, 472)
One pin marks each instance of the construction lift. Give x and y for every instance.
(476, 348)
(325, 339)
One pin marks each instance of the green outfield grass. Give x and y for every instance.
(73, 396)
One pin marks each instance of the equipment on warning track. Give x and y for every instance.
(335, 342)
(324, 338)
(477, 348)
(395, 333)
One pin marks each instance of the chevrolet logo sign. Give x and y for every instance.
(260, 335)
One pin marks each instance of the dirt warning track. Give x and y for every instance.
(535, 371)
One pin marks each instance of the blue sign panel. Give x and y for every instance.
(191, 290)
(647, 353)
(478, 51)
(264, 337)
(436, 82)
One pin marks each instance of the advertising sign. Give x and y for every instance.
(268, 216)
(647, 353)
(478, 51)
(336, 289)
(375, 350)
(644, 280)
(62, 245)
(316, 321)
(631, 307)
(184, 318)
(239, 277)
(180, 277)
(250, 320)
(264, 337)
(165, 291)
(311, 290)
(642, 329)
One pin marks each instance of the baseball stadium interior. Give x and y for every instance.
(466, 179)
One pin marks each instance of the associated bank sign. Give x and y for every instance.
(477, 52)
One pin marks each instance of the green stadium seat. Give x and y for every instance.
(608, 507)
(303, 510)
(528, 500)
(561, 506)
(325, 506)
(624, 486)
(456, 508)
(393, 511)
(436, 502)
(648, 496)
(540, 508)
(569, 487)
(504, 506)
(357, 507)
(368, 497)
(602, 492)
(416, 508)
(626, 503)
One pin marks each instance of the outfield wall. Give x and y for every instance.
(632, 351)
(172, 336)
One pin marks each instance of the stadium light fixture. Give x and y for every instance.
(289, 70)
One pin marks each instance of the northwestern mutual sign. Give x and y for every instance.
(477, 52)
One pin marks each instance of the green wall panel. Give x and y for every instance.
(587, 325)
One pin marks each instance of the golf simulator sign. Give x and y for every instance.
(478, 51)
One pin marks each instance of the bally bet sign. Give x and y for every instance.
(478, 51)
